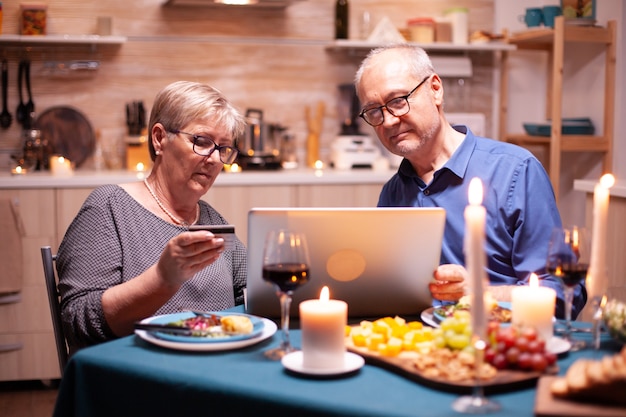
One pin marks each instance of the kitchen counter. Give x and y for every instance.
(82, 179)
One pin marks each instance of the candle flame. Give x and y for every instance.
(18, 169)
(324, 294)
(140, 167)
(533, 282)
(607, 181)
(61, 160)
(603, 301)
(475, 192)
(319, 164)
(575, 239)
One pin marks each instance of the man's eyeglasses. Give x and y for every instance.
(397, 107)
(205, 147)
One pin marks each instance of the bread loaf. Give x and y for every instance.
(597, 381)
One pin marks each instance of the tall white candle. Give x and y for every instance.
(533, 306)
(323, 323)
(597, 274)
(475, 257)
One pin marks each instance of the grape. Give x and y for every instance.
(519, 348)
(522, 344)
(539, 362)
(512, 355)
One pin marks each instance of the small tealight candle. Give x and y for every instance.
(533, 306)
(61, 166)
(18, 170)
(323, 323)
(232, 168)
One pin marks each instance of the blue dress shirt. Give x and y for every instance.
(520, 204)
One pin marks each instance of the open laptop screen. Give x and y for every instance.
(378, 260)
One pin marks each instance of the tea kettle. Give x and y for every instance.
(259, 147)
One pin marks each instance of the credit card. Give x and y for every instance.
(225, 231)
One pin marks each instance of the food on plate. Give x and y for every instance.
(237, 324)
(452, 365)
(201, 324)
(391, 335)
(496, 312)
(519, 348)
(594, 380)
(614, 315)
(443, 353)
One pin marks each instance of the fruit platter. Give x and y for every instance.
(444, 358)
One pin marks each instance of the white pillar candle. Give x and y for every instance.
(597, 274)
(323, 324)
(475, 257)
(533, 306)
(61, 166)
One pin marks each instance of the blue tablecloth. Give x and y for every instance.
(131, 377)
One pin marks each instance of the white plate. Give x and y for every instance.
(269, 328)
(558, 345)
(293, 362)
(428, 317)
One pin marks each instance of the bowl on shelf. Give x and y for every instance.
(569, 126)
(614, 313)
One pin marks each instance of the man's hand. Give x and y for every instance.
(449, 283)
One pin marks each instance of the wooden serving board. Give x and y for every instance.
(548, 406)
(403, 364)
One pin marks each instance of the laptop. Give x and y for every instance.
(378, 260)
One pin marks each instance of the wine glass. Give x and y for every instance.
(569, 250)
(286, 266)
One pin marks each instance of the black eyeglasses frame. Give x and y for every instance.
(364, 112)
(230, 157)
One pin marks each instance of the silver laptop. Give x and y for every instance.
(378, 260)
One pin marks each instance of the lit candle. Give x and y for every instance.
(533, 306)
(323, 324)
(18, 170)
(475, 257)
(597, 275)
(232, 168)
(61, 166)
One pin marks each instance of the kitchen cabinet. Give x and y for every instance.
(553, 41)
(25, 326)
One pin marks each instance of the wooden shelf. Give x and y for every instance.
(362, 47)
(569, 143)
(553, 41)
(19, 40)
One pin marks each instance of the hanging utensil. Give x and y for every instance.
(21, 111)
(5, 116)
(30, 105)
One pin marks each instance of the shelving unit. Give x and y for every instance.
(553, 41)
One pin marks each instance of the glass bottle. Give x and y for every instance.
(341, 19)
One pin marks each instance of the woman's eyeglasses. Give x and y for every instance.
(205, 147)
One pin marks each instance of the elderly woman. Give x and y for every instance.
(129, 253)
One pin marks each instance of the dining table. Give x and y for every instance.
(131, 376)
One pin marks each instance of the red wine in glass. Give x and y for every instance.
(570, 274)
(568, 260)
(288, 276)
(286, 266)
